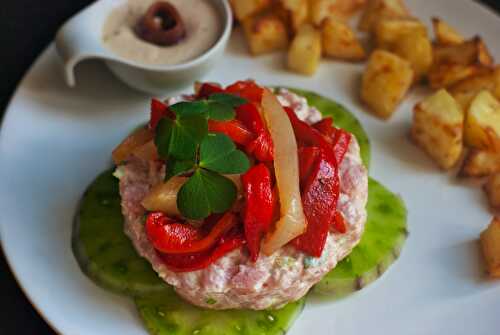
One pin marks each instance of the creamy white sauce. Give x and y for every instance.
(201, 20)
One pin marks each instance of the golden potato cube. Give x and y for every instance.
(480, 163)
(445, 75)
(483, 81)
(386, 81)
(482, 124)
(466, 90)
(438, 128)
(417, 49)
(340, 41)
(243, 9)
(376, 10)
(446, 34)
(485, 56)
(490, 243)
(340, 10)
(265, 33)
(296, 11)
(305, 51)
(388, 31)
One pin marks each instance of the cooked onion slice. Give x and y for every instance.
(292, 222)
(163, 197)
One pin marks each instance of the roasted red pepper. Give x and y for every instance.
(158, 111)
(325, 127)
(234, 129)
(340, 144)
(307, 157)
(339, 138)
(197, 261)
(260, 201)
(339, 223)
(262, 146)
(207, 89)
(169, 236)
(319, 199)
(305, 134)
(246, 89)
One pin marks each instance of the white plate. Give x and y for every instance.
(55, 140)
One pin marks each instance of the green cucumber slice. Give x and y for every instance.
(167, 314)
(384, 236)
(101, 248)
(342, 118)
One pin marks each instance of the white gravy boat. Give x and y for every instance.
(80, 38)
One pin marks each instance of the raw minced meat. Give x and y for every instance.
(234, 281)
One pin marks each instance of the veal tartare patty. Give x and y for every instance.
(234, 281)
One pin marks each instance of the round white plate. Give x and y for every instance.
(55, 140)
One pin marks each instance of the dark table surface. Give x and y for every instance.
(27, 26)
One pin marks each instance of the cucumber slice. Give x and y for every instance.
(384, 236)
(342, 118)
(167, 314)
(102, 249)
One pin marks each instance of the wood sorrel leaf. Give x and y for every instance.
(205, 193)
(179, 138)
(218, 153)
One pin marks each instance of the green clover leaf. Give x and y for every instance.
(179, 138)
(219, 154)
(204, 193)
(221, 106)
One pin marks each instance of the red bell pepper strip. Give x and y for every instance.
(339, 223)
(262, 146)
(260, 201)
(319, 199)
(341, 143)
(197, 261)
(325, 127)
(339, 138)
(234, 129)
(307, 157)
(305, 134)
(207, 89)
(158, 111)
(169, 236)
(246, 89)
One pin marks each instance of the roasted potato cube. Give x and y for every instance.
(445, 75)
(482, 124)
(492, 189)
(485, 56)
(340, 41)
(438, 128)
(417, 49)
(296, 11)
(446, 34)
(376, 10)
(243, 9)
(453, 63)
(480, 163)
(465, 53)
(340, 10)
(385, 82)
(265, 33)
(466, 90)
(305, 51)
(490, 243)
(487, 80)
(388, 31)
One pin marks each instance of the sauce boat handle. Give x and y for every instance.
(80, 38)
